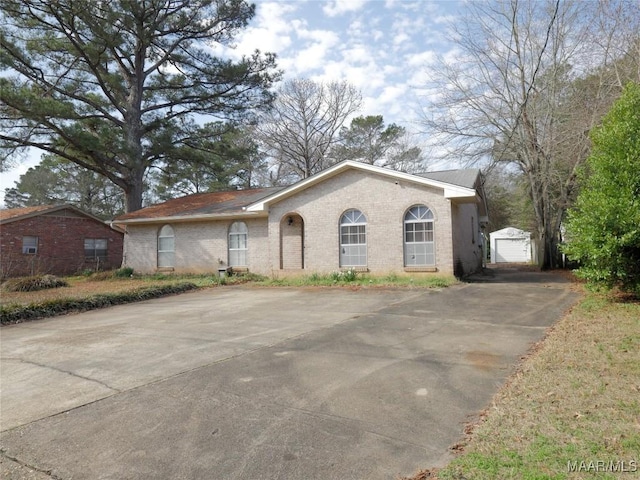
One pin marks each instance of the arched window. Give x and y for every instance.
(166, 247)
(353, 239)
(418, 237)
(238, 233)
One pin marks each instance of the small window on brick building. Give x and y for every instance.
(419, 248)
(238, 236)
(353, 239)
(166, 247)
(95, 248)
(30, 245)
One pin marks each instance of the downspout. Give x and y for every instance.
(124, 243)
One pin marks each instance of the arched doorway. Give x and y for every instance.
(292, 242)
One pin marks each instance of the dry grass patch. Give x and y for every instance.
(573, 405)
(79, 288)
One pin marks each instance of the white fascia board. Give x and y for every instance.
(450, 190)
(189, 218)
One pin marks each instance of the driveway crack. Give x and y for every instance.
(30, 467)
(68, 372)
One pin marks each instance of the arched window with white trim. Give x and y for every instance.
(353, 239)
(238, 244)
(166, 247)
(419, 246)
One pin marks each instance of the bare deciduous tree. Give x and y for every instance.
(513, 93)
(303, 124)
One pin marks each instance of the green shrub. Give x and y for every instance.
(124, 272)
(603, 226)
(32, 284)
(350, 275)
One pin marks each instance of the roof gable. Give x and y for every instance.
(450, 190)
(510, 232)
(17, 214)
(455, 184)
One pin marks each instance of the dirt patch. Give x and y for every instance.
(429, 474)
(484, 361)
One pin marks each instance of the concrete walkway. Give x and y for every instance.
(251, 383)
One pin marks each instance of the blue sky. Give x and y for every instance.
(383, 47)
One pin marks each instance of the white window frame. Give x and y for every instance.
(238, 245)
(419, 237)
(30, 245)
(353, 239)
(166, 247)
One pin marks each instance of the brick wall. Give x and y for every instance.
(316, 212)
(382, 200)
(200, 247)
(61, 238)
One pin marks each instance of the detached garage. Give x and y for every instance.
(510, 245)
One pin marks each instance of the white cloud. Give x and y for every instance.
(421, 59)
(357, 54)
(314, 48)
(392, 93)
(270, 30)
(338, 7)
(400, 38)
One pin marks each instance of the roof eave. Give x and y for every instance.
(54, 208)
(188, 218)
(461, 193)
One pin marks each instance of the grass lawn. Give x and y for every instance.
(572, 410)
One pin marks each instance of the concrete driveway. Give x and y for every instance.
(250, 383)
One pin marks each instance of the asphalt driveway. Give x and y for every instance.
(254, 383)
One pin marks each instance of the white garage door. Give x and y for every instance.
(511, 250)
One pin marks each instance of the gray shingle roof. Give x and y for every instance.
(463, 178)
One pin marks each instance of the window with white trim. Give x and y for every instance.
(353, 239)
(419, 248)
(238, 244)
(95, 248)
(30, 245)
(166, 247)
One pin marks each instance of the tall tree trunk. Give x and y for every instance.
(134, 190)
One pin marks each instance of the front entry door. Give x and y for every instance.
(292, 242)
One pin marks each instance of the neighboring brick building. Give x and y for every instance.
(352, 215)
(60, 239)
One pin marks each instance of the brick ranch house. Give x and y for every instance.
(60, 240)
(351, 215)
